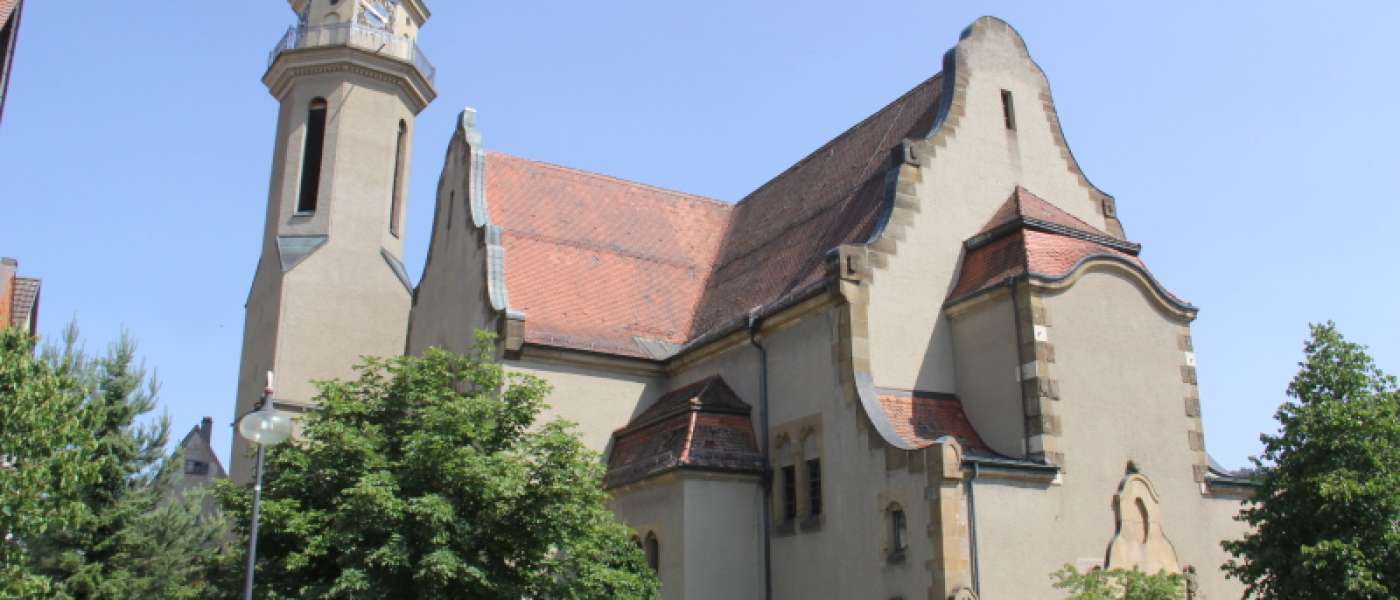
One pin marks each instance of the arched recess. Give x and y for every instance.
(1141, 540)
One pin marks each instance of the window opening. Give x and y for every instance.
(789, 493)
(451, 206)
(396, 200)
(898, 531)
(311, 156)
(814, 487)
(1008, 109)
(653, 551)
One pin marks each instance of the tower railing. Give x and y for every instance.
(356, 36)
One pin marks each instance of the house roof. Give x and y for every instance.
(1030, 236)
(606, 265)
(703, 425)
(921, 418)
(24, 298)
(7, 7)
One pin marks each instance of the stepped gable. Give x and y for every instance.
(703, 426)
(601, 264)
(921, 418)
(1030, 236)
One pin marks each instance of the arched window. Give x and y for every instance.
(311, 156)
(653, 550)
(396, 195)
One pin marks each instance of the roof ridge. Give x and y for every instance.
(613, 178)
(839, 137)
(1020, 209)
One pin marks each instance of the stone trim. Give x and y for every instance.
(318, 60)
(1195, 430)
(1040, 391)
(791, 444)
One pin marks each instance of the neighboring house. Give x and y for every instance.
(202, 466)
(924, 361)
(10, 11)
(19, 298)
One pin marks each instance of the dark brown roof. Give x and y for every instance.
(703, 425)
(921, 418)
(601, 264)
(25, 297)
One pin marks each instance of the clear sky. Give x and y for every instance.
(1252, 149)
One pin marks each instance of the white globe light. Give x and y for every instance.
(266, 427)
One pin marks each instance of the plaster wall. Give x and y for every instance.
(975, 164)
(1122, 399)
(451, 301)
(723, 548)
(985, 361)
(657, 506)
(598, 400)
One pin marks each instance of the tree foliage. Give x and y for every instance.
(85, 510)
(43, 458)
(1326, 523)
(428, 477)
(1119, 584)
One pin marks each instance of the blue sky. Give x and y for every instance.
(1251, 148)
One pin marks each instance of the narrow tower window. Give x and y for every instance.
(311, 156)
(1008, 110)
(396, 201)
(899, 531)
(814, 487)
(653, 552)
(789, 493)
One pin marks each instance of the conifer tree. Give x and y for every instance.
(133, 537)
(44, 466)
(1326, 523)
(429, 477)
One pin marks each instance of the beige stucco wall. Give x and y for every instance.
(973, 170)
(344, 301)
(985, 360)
(657, 506)
(723, 548)
(451, 302)
(1119, 368)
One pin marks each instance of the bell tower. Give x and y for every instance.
(330, 285)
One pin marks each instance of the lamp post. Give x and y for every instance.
(265, 426)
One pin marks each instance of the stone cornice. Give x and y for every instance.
(293, 64)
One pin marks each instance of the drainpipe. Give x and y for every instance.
(972, 529)
(763, 445)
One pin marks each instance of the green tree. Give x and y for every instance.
(132, 536)
(1326, 521)
(1119, 584)
(428, 477)
(44, 464)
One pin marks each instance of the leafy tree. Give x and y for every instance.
(1326, 523)
(131, 536)
(428, 477)
(1119, 584)
(43, 458)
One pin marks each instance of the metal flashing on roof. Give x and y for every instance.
(397, 266)
(292, 249)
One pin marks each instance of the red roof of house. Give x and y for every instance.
(7, 7)
(25, 296)
(601, 264)
(1029, 235)
(921, 418)
(703, 425)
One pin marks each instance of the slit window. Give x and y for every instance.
(311, 156)
(899, 531)
(789, 493)
(396, 194)
(814, 487)
(451, 206)
(653, 552)
(1008, 110)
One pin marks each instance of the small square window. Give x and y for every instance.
(196, 467)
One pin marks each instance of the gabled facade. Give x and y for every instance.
(202, 467)
(19, 298)
(959, 374)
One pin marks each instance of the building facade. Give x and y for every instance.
(925, 361)
(19, 298)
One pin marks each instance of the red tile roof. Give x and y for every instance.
(703, 425)
(921, 418)
(601, 264)
(7, 7)
(1029, 235)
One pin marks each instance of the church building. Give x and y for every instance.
(925, 361)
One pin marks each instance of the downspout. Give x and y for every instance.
(767, 482)
(972, 529)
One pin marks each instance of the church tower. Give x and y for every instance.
(330, 286)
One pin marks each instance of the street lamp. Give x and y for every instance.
(265, 426)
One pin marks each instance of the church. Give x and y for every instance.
(925, 361)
